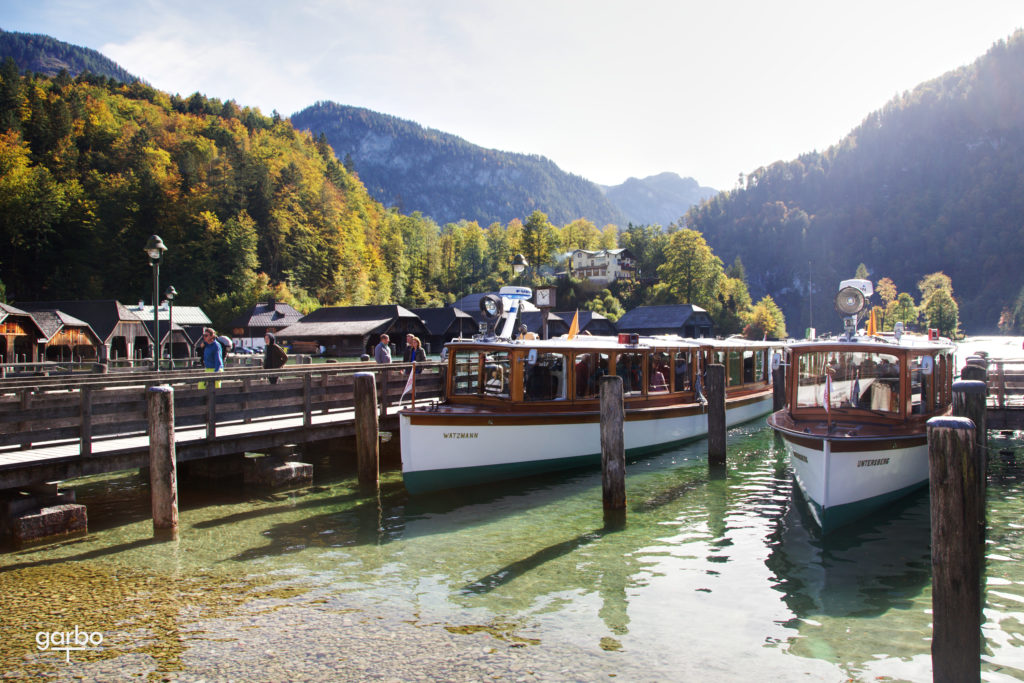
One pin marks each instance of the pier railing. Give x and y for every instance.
(81, 411)
(1005, 383)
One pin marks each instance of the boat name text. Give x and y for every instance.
(873, 463)
(461, 435)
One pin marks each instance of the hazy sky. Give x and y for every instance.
(607, 90)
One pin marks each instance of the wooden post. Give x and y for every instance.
(384, 392)
(1001, 374)
(969, 401)
(367, 442)
(85, 436)
(163, 477)
(715, 382)
(778, 389)
(957, 547)
(613, 444)
(307, 400)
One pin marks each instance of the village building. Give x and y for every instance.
(66, 337)
(351, 331)
(272, 316)
(443, 325)
(20, 336)
(603, 265)
(684, 320)
(122, 332)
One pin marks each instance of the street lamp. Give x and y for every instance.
(169, 294)
(519, 264)
(155, 250)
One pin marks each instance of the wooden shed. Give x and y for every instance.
(67, 337)
(20, 336)
(684, 320)
(350, 331)
(123, 334)
(273, 316)
(589, 322)
(443, 325)
(188, 320)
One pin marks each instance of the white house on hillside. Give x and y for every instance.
(604, 265)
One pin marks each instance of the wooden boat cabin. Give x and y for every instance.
(563, 373)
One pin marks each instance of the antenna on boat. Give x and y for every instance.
(851, 300)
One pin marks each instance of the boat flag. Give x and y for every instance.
(827, 398)
(872, 326)
(574, 329)
(409, 382)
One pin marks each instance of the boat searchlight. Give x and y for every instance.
(508, 301)
(851, 300)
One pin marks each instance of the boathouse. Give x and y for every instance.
(534, 321)
(351, 331)
(443, 325)
(685, 320)
(123, 334)
(66, 337)
(20, 336)
(190, 319)
(589, 322)
(264, 317)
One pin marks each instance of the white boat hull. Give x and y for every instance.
(440, 453)
(844, 480)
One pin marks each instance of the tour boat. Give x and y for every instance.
(856, 410)
(516, 407)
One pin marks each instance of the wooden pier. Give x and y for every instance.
(1005, 404)
(54, 428)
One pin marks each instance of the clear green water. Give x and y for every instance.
(712, 578)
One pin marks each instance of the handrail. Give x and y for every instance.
(106, 407)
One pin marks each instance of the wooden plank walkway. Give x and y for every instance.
(62, 428)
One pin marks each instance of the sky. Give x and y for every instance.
(607, 90)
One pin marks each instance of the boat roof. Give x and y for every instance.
(877, 343)
(606, 342)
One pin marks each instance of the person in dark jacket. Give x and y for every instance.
(274, 356)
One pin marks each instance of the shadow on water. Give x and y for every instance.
(877, 564)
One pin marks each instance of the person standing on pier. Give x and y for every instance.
(274, 356)
(382, 352)
(213, 354)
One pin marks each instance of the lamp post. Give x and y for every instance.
(155, 250)
(519, 264)
(169, 294)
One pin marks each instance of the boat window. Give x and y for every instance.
(497, 374)
(682, 371)
(859, 380)
(545, 379)
(661, 372)
(588, 370)
(630, 367)
(749, 374)
(735, 368)
(922, 385)
(466, 373)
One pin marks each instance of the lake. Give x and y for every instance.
(712, 578)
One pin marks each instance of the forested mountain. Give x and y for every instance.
(41, 54)
(934, 181)
(413, 168)
(658, 199)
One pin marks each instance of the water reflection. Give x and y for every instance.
(732, 567)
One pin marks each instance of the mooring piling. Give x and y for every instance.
(715, 384)
(367, 443)
(163, 475)
(958, 536)
(613, 445)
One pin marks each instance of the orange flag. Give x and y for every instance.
(872, 326)
(574, 329)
